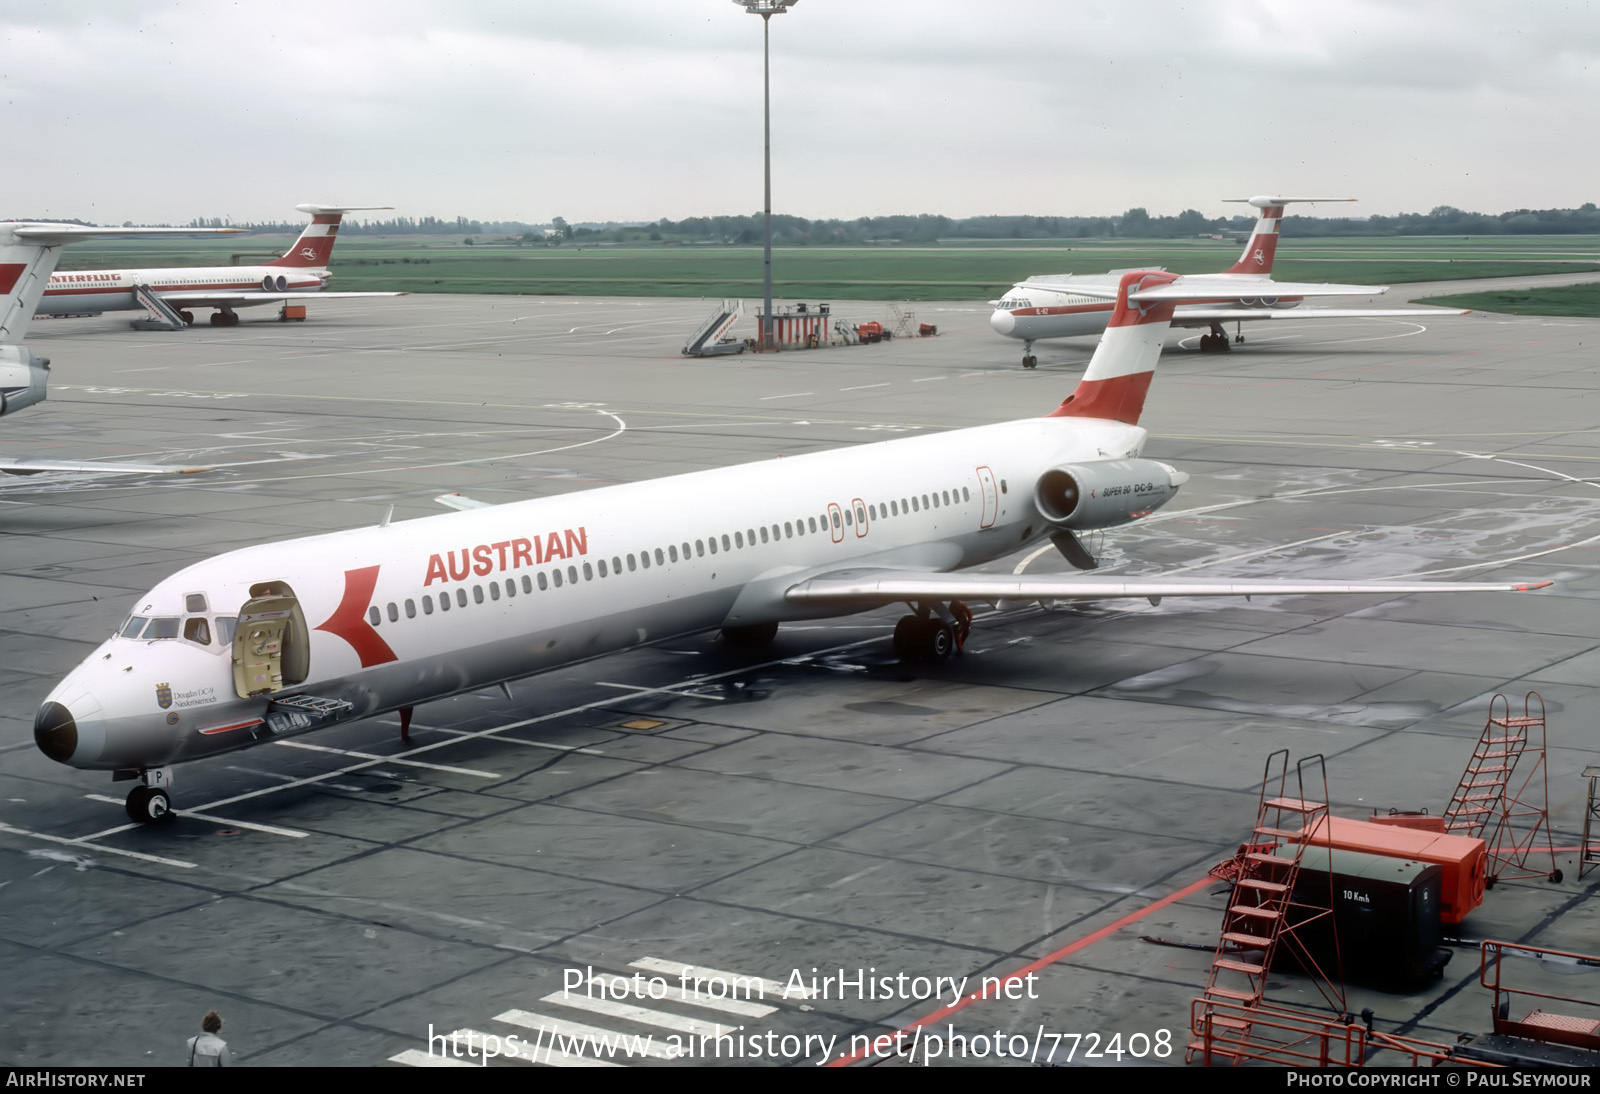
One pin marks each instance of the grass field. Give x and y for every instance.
(1577, 300)
(956, 271)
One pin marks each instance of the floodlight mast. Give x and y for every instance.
(766, 9)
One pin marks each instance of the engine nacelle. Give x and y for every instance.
(1105, 493)
(23, 377)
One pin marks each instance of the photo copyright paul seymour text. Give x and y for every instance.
(1462, 1079)
(544, 1037)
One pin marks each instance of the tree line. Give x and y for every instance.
(790, 230)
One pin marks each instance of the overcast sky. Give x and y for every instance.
(638, 109)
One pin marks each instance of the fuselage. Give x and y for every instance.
(84, 291)
(400, 614)
(1032, 311)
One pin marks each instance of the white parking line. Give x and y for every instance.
(659, 691)
(791, 395)
(309, 747)
(630, 1013)
(84, 843)
(862, 387)
(225, 822)
(548, 1026)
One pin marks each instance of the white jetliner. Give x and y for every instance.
(28, 252)
(1070, 305)
(285, 637)
(172, 295)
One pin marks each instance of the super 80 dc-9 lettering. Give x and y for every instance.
(294, 636)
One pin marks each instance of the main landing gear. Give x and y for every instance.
(1217, 340)
(752, 636)
(223, 317)
(149, 802)
(1028, 359)
(934, 633)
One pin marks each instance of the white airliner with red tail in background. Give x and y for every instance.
(173, 295)
(1071, 305)
(288, 637)
(28, 252)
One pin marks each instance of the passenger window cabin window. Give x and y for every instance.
(494, 591)
(947, 497)
(811, 522)
(572, 575)
(616, 564)
(763, 533)
(197, 630)
(836, 523)
(394, 612)
(965, 495)
(872, 511)
(588, 572)
(644, 559)
(195, 604)
(725, 544)
(226, 625)
(711, 542)
(631, 566)
(924, 501)
(527, 583)
(411, 608)
(915, 508)
(661, 557)
(776, 533)
(511, 587)
(136, 624)
(738, 538)
(555, 575)
(444, 602)
(477, 594)
(543, 584)
(602, 565)
(672, 552)
(686, 552)
(849, 518)
(427, 605)
(461, 597)
(750, 535)
(788, 530)
(700, 548)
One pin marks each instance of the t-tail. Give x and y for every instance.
(1263, 244)
(315, 244)
(1124, 363)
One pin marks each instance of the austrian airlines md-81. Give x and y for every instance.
(173, 295)
(1058, 305)
(286, 637)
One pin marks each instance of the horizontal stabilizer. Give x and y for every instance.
(891, 586)
(54, 235)
(1265, 202)
(315, 209)
(93, 467)
(461, 501)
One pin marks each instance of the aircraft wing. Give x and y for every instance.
(34, 467)
(462, 502)
(1232, 288)
(199, 298)
(54, 235)
(863, 588)
(1204, 315)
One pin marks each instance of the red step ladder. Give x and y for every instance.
(1257, 918)
(1486, 806)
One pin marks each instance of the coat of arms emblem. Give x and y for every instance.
(164, 695)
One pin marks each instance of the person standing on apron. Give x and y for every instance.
(206, 1049)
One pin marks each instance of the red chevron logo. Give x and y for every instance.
(349, 619)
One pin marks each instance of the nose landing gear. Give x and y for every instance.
(1028, 359)
(149, 802)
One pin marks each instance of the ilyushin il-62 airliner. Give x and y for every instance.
(288, 637)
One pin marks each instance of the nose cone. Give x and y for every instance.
(1002, 322)
(56, 732)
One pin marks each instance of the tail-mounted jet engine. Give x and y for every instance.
(23, 377)
(1105, 493)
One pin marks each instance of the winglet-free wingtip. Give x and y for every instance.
(1533, 585)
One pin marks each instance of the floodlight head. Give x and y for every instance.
(765, 8)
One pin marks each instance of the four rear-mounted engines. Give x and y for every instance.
(1105, 493)
(22, 378)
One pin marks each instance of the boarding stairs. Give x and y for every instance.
(163, 316)
(1589, 848)
(1257, 920)
(1490, 803)
(708, 338)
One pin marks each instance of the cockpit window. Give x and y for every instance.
(132, 628)
(162, 628)
(195, 603)
(197, 630)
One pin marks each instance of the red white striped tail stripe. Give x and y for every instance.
(1118, 378)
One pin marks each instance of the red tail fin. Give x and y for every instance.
(315, 244)
(1124, 363)
(1258, 253)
